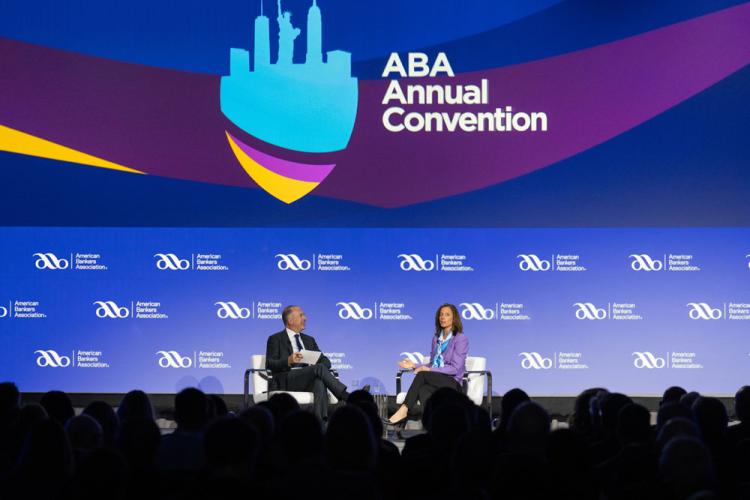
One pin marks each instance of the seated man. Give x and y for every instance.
(283, 356)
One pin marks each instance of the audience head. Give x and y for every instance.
(84, 433)
(611, 404)
(260, 417)
(58, 406)
(217, 406)
(742, 403)
(685, 467)
(191, 409)
(46, 452)
(301, 437)
(10, 401)
(711, 417)
(282, 404)
(675, 427)
(672, 395)
(365, 402)
(138, 439)
(107, 418)
(689, 398)
(440, 397)
(528, 429)
(349, 442)
(668, 411)
(510, 401)
(581, 421)
(135, 404)
(634, 424)
(101, 470)
(231, 446)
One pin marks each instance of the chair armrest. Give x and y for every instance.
(399, 375)
(265, 375)
(488, 374)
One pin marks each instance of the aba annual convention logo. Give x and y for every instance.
(748, 260)
(352, 310)
(51, 359)
(644, 262)
(50, 261)
(171, 262)
(476, 311)
(415, 262)
(416, 357)
(173, 359)
(703, 311)
(110, 309)
(291, 262)
(4, 311)
(232, 310)
(589, 311)
(535, 361)
(531, 262)
(648, 360)
(309, 107)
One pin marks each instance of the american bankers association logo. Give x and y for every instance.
(173, 359)
(476, 311)
(703, 311)
(110, 309)
(648, 360)
(352, 310)
(51, 359)
(531, 262)
(535, 361)
(291, 262)
(50, 261)
(589, 311)
(232, 310)
(415, 262)
(644, 262)
(171, 262)
(3, 311)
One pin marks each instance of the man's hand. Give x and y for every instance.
(406, 364)
(295, 357)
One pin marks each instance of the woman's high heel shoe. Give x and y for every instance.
(400, 424)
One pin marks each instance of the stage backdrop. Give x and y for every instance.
(573, 175)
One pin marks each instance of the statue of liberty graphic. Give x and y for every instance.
(308, 107)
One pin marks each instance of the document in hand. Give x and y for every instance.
(310, 357)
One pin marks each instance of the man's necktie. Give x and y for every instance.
(299, 343)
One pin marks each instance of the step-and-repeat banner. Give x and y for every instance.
(552, 310)
(573, 175)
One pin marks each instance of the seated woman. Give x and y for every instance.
(446, 367)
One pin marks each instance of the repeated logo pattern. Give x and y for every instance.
(647, 360)
(476, 311)
(50, 261)
(51, 359)
(171, 262)
(702, 310)
(531, 262)
(173, 359)
(587, 310)
(415, 262)
(231, 310)
(534, 360)
(291, 262)
(110, 309)
(352, 310)
(643, 262)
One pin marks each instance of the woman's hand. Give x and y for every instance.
(406, 364)
(422, 369)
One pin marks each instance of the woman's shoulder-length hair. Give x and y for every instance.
(457, 327)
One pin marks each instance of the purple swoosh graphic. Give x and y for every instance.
(168, 123)
(289, 169)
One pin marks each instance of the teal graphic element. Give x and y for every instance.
(308, 107)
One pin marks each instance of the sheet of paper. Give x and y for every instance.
(310, 357)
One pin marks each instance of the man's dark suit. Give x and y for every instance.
(316, 378)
